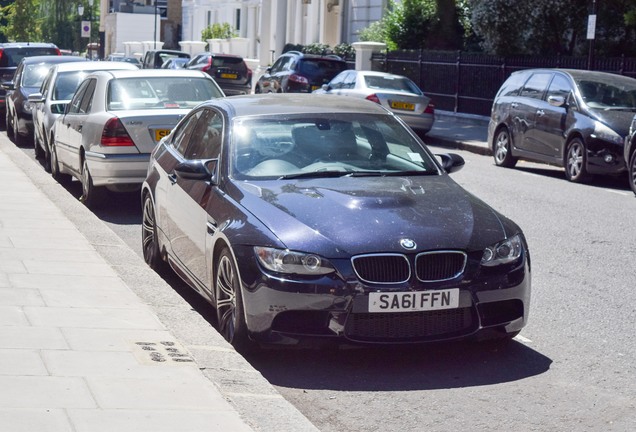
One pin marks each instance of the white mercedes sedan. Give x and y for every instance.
(115, 119)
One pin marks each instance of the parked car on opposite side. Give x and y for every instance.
(154, 59)
(311, 216)
(27, 80)
(229, 71)
(629, 154)
(394, 92)
(295, 72)
(175, 63)
(576, 119)
(10, 56)
(56, 91)
(115, 119)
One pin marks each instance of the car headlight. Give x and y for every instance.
(606, 134)
(286, 261)
(503, 252)
(26, 106)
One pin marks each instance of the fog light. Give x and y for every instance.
(608, 158)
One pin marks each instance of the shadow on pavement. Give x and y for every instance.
(393, 368)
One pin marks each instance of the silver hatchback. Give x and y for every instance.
(115, 119)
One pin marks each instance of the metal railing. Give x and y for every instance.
(467, 82)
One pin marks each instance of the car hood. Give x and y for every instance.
(618, 121)
(354, 215)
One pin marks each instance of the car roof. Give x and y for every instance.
(52, 59)
(294, 103)
(208, 53)
(575, 73)
(169, 51)
(27, 44)
(94, 66)
(149, 73)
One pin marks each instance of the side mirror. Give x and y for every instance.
(451, 162)
(35, 97)
(197, 170)
(556, 101)
(325, 87)
(8, 85)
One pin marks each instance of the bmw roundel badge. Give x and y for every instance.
(408, 244)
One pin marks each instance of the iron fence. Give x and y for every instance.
(467, 82)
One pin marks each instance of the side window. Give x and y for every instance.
(512, 85)
(560, 86)
(87, 100)
(207, 137)
(182, 134)
(278, 64)
(44, 88)
(337, 82)
(536, 85)
(18, 74)
(74, 105)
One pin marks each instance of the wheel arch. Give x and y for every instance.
(564, 150)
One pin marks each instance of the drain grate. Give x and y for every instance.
(161, 352)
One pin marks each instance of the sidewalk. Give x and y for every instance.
(460, 131)
(83, 344)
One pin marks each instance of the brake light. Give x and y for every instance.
(1, 52)
(208, 66)
(373, 98)
(115, 135)
(57, 50)
(430, 108)
(298, 79)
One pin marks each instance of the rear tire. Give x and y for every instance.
(10, 130)
(92, 196)
(39, 152)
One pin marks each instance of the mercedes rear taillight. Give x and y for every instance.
(373, 98)
(115, 135)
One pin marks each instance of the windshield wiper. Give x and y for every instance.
(315, 174)
(410, 173)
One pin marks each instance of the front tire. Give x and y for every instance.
(149, 239)
(576, 161)
(229, 303)
(54, 168)
(632, 172)
(10, 130)
(39, 152)
(502, 149)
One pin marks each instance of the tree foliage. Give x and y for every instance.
(549, 27)
(22, 20)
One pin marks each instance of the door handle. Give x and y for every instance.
(173, 178)
(540, 112)
(514, 105)
(79, 127)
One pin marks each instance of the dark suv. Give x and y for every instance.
(295, 72)
(576, 119)
(229, 71)
(154, 59)
(10, 56)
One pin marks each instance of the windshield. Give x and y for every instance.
(325, 145)
(159, 92)
(614, 92)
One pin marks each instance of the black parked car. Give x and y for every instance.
(27, 80)
(576, 119)
(154, 59)
(11, 54)
(295, 72)
(316, 216)
(229, 71)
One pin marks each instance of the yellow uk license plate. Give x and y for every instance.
(160, 133)
(405, 106)
(229, 76)
(315, 88)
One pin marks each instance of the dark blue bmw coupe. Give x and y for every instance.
(310, 216)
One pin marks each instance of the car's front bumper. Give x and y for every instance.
(288, 311)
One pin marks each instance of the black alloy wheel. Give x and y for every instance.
(576, 161)
(92, 195)
(632, 172)
(229, 303)
(54, 168)
(149, 240)
(502, 149)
